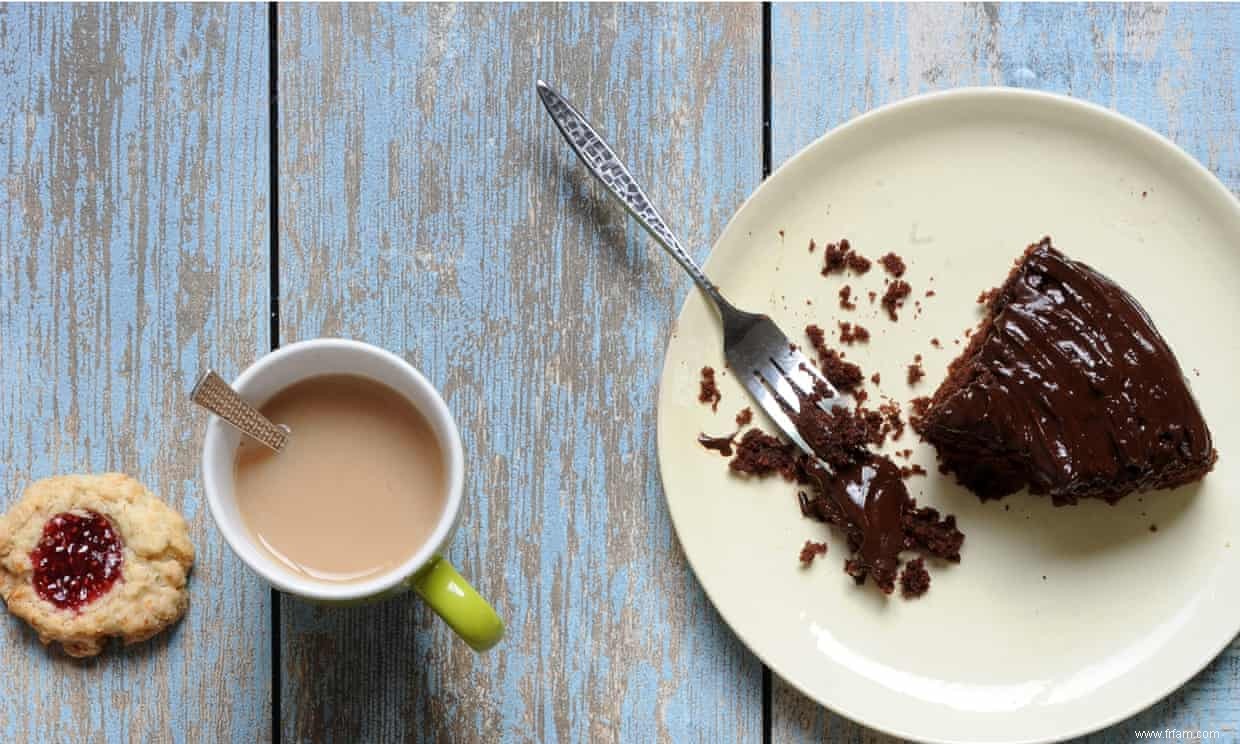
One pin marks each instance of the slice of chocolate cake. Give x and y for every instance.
(1066, 388)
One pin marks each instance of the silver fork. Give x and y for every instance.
(775, 373)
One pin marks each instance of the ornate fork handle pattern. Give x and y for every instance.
(606, 166)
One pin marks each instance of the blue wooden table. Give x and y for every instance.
(184, 186)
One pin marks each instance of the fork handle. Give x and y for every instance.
(606, 166)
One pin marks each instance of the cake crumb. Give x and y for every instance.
(839, 256)
(930, 293)
(760, 454)
(858, 263)
(834, 257)
(987, 295)
(917, 417)
(781, 234)
(812, 246)
(846, 301)
(875, 378)
(936, 343)
(916, 371)
(708, 390)
(812, 550)
(843, 375)
(744, 417)
(908, 471)
(1153, 528)
(893, 264)
(853, 333)
(914, 579)
(894, 298)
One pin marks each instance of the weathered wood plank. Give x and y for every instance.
(133, 179)
(428, 205)
(1174, 68)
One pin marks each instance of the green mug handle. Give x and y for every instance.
(458, 603)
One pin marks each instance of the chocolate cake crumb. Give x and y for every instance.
(846, 301)
(936, 343)
(893, 264)
(1153, 528)
(930, 293)
(781, 234)
(1144, 194)
(709, 391)
(760, 454)
(873, 296)
(858, 263)
(916, 371)
(914, 579)
(842, 375)
(925, 530)
(987, 295)
(834, 257)
(875, 378)
(908, 471)
(852, 333)
(839, 436)
(812, 550)
(812, 246)
(917, 417)
(744, 417)
(892, 424)
(838, 256)
(893, 299)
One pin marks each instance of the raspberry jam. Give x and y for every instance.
(77, 560)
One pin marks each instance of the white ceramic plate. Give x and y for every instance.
(1058, 621)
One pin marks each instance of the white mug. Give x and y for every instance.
(426, 571)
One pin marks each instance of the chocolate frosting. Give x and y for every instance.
(872, 497)
(1070, 389)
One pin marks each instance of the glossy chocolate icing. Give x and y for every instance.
(1069, 389)
(872, 498)
(866, 489)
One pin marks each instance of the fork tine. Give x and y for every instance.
(779, 385)
(771, 406)
(801, 373)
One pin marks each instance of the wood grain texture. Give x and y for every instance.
(429, 206)
(1174, 68)
(133, 175)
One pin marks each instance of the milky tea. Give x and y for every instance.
(357, 491)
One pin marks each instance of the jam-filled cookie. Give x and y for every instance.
(87, 557)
